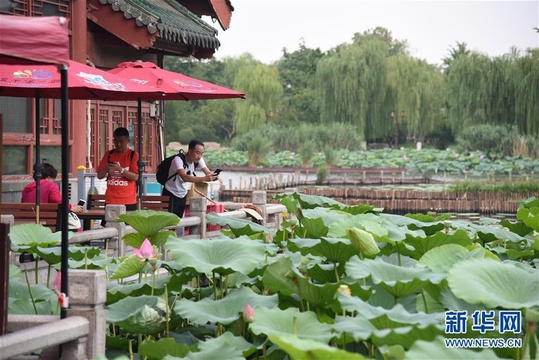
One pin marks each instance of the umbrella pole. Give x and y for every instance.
(65, 192)
(139, 144)
(37, 160)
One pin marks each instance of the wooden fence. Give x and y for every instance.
(406, 201)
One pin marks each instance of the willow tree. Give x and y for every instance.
(429, 90)
(351, 84)
(402, 79)
(497, 91)
(263, 91)
(468, 93)
(527, 93)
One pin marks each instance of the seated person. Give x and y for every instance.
(49, 191)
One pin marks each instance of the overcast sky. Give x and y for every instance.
(264, 27)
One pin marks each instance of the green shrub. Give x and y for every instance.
(258, 148)
(306, 152)
(494, 140)
(322, 174)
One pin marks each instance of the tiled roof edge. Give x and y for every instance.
(145, 17)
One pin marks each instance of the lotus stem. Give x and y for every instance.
(336, 273)
(219, 330)
(130, 350)
(153, 281)
(521, 351)
(424, 301)
(36, 270)
(214, 286)
(294, 326)
(85, 258)
(49, 275)
(30, 291)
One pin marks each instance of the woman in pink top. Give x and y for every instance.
(49, 192)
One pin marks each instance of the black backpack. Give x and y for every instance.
(162, 169)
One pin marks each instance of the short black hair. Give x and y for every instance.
(193, 144)
(121, 131)
(48, 171)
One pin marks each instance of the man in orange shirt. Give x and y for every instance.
(120, 166)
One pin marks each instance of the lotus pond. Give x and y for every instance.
(334, 282)
(426, 161)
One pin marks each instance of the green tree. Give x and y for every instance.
(527, 93)
(297, 72)
(351, 84)
(261, 84)
(416, 89)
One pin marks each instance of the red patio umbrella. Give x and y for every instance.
(175, 86)
(32, 79)
(42, 39)
(84, 82)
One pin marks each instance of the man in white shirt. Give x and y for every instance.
(181, 175)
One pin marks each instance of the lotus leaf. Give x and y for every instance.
(173, 283)
(128, 267)
(238, 227)
(442, 258)
(236, 342)
(494, 284)
(224, 352)
(223, 255)
(223, 311)
(422, 244)
(291, 321)
(143, 314)
(436, 349)
(20, 301)
(35, 235)
(312, 201)
(157, 239)
(529, 216)
(518, 227)
(299, 348)
(361, 329)
(149, 222)
(368, 222)
(398, 280)
(156, 350)
(488, 233)
(335, 250)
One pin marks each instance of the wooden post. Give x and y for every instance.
(5, 246)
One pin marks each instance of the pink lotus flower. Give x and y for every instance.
(146, 251)
(248, 314)
(58, 283)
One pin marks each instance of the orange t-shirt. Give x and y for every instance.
(120, 190)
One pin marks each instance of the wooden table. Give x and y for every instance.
(89, 215)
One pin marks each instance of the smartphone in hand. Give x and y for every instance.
(81, 202)
(217, 172)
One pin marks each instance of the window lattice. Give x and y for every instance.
(56, 126)
(117, 117)
(36, 7)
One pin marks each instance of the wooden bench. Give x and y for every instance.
(149, 202)
(25, 213)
